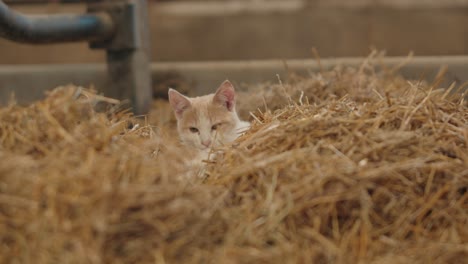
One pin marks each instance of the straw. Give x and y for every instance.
(348, 165)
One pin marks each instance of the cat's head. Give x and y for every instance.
(206, 121)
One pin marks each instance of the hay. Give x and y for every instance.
(344, 166)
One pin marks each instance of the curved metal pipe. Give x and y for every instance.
(28, 2)
(54, 28)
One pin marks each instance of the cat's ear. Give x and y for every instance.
(178, 101)
(226, 95)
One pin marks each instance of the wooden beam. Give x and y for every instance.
(30, 82)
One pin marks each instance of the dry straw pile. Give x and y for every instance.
(343, 166)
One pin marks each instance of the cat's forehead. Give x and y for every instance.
(204, 110)
(202, 100)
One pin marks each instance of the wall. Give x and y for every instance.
(233, 30)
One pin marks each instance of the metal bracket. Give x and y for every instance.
(128, 52)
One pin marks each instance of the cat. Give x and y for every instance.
(207, 121)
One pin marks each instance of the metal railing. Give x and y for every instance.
(120, 27)
(54, 28)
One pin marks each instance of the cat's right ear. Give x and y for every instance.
(179, 102)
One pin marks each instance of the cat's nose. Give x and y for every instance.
(206, 143)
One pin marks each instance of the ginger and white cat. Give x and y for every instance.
(207, 121)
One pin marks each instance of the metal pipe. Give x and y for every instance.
(29, 2)
(54, 28)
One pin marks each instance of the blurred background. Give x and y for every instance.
(213, 30)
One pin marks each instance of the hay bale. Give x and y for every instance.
(344, 166)
(358, 179)
(76, 186)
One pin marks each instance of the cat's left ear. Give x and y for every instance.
(179, 102)
(226, 95)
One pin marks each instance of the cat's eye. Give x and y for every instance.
(215, 126)
(193, 130)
